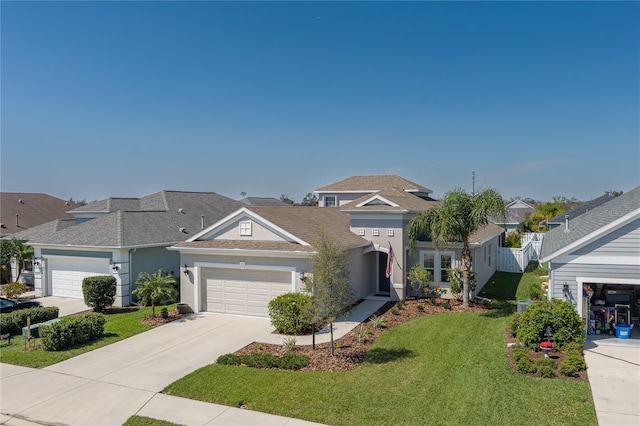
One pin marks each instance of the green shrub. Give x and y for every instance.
(13, 290)
(291, 313)
(546, 362)
(514, 324)
(395, 311)
(574, 348)
(288, 344)
(420, 307)
(99, 292)
(360, 333)
(13, 322)
(571, 365)
(545, 371)
(377, 321)
(455, 277)
(561, 316)
(72, 331)
(525, 366)
(290, 361)
(519, 352)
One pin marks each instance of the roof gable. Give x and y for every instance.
(519, 204)
(592, 225)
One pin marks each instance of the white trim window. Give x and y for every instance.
(330, 201)
(245, 228)
(437, 264)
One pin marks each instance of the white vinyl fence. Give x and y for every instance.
(517, 259)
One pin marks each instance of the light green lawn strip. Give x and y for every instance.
(147, 421)
(444, 369)
(118, 326)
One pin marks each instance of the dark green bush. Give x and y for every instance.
(266, 360)
(545, 371)
(71, 331)
(514, 324)
(525, 366)
(560, 315)
(571, 365)
(99, 292)
(291, 313)
(546, 362)
(519, 352)
(13, 322)
(574, 348)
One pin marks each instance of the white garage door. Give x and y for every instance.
(66, 275)
(244, 292)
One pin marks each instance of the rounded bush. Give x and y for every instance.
(545, 371)
(291, 313)
(525, 366)
(71, 331)
(560, 315)
(99, 292)
(571, 365)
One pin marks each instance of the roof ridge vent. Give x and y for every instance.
(566, 224)
(181, 210)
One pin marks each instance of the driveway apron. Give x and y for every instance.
(108, 385)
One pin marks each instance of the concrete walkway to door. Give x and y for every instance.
(108, 385)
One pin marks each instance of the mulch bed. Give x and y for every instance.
(349, 352)
(148, 320)
(534, 355)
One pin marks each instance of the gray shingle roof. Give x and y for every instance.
(263, 201)
(32, 209)
(166, 212)
(590, 222)
(582, 208)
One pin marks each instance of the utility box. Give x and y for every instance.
(523, 305)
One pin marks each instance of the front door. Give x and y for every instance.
(384, 283)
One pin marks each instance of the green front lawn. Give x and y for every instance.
(118, 326)
(441, 369)
(146, 421)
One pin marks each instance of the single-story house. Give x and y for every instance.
(594, 261)
(120, 237)
(240, 263)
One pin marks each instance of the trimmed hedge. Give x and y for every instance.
(71, 331)
(571, 365)
(99, 292)
(13, 322)
(266, 360)
(291, 313)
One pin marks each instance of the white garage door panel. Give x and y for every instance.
(244, 292)
(66, 275)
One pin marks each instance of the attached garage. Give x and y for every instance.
(65, 275)
(244, 291)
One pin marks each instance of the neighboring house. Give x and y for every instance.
(257, 253)
(598, 253)
(559, 220)
(20, 211)
(517, 213)
(120, 237)
(263, 201)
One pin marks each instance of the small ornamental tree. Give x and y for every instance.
(155, 287)
(99, 291)
(330, 285)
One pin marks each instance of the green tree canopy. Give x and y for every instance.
(155, 287)
(330, 284)
(458, 215)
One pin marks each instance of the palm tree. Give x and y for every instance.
(154, 287)
(454, 220)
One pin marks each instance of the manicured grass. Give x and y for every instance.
(118, 326)
(448, 369)
(146, 421)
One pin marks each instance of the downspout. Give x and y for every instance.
(131, 251)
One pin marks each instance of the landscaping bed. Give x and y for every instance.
(350, 351)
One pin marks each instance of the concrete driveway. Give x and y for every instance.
(108, 385)
(614, 376)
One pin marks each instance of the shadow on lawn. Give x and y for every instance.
(382, 355)
(500, 308)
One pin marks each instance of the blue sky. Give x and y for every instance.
(125, 99)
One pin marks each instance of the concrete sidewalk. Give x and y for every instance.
(341, 326)
(108, 385)
(613, 367)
